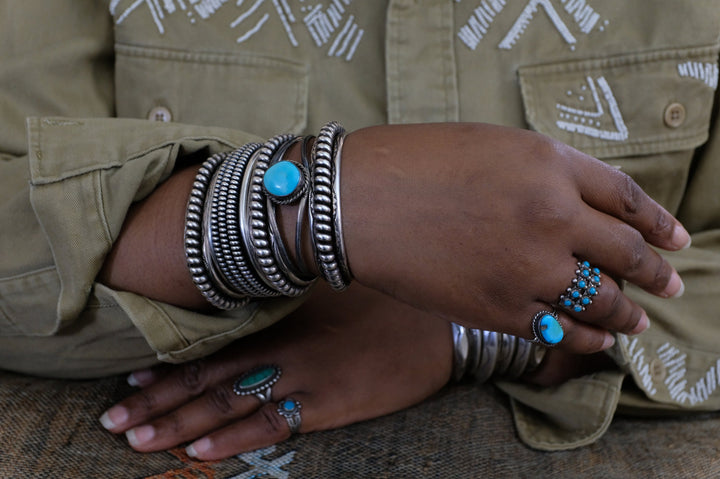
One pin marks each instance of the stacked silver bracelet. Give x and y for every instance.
(480, 355)
(324, 201)
(233, 244)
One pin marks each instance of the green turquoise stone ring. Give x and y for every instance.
(258, 381)
(547, 328)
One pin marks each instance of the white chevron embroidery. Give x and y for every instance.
(527, 15)
(586, 122)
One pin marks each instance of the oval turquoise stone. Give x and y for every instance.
(282, 178)
(257, 377)
(550, 329)
(288, 405)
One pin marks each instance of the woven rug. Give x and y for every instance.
(49, 429)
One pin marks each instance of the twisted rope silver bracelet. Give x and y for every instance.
(324, 203)
(480, 354)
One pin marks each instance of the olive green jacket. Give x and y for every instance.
(632, 83)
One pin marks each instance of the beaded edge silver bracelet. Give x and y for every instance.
(194, 239)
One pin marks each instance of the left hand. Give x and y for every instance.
(346, 357)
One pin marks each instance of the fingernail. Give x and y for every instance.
(642, 325)
(114, 417)
(675, 287)
(609, 341)
(140, 378)
(140, 435)
(681, 237)
(200, 446)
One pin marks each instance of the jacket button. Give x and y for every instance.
(674, 115)
(160, 113)
(657, 370)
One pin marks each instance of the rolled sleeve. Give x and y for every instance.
(84, 176)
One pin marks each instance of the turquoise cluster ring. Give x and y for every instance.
(289, 408)
(258, 382)
(584, 287)
(547, 329)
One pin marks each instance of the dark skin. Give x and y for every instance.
(347, 357)
(474, 248)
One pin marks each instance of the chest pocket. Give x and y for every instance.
(260, 95)
(645, 113)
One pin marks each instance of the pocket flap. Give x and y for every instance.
(625, 105)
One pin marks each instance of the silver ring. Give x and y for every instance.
(289, 408)
(258, 381)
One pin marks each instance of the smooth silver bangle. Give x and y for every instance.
(460, 351)
(302, 204)
(324, 203)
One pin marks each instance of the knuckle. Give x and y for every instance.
(661, 277)
(191, 377)
(663, 227)
(635, 253)
(220, 400)
(630, 194)
(173, 423)
(614, 305)
(146, 401)
(275, 425)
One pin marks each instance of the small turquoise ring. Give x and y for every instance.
(258, 382)
(289, 408)
(584, 287)
(547, 328)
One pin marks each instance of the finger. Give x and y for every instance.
(577, 337)
(622, 252)
(263, 428)
(609, 309)
(180, 386)
(216, 407)
(609, 190)
(146, 377)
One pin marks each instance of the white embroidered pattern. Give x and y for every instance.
(705, 72)
(586, 122)
(265, 467)
(334, 27)
(641, 365)
(674, 361)
(478, 25)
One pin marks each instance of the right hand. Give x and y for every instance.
(483, 225)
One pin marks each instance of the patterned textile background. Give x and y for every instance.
(49, 429)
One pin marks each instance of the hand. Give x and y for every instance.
(484, 225)
(346, 357)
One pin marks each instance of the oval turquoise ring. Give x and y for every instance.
(258, 381)
(547, 328)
